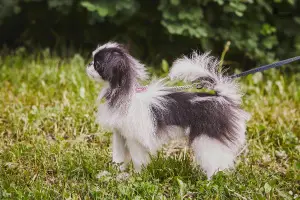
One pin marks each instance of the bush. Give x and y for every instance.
(259, 30)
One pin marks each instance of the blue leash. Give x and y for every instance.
(265, 67)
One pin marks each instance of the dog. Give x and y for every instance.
(142, 119)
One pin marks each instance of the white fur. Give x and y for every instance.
(201, 66)
(133, 119)
(120, 151)
(139, 154)
(107, 45)
(190, 69)
(139, 68)
(92, 73)
(102, 93)
(212, 155)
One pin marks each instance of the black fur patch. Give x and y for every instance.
(113, 65)
(209, 117)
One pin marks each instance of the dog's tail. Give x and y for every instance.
(204, 68)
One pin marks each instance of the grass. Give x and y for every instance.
(50, 147)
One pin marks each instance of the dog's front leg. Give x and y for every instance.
(120, 152)
(139, 154)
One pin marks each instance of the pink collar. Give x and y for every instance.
(140, 89)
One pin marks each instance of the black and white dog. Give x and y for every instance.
(142, 120)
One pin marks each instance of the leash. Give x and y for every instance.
(265, 67)
(184, 87)
(251, 71)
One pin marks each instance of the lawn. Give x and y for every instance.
(51, 148)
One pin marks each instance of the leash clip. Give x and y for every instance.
(198, 86)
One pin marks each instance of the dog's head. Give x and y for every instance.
(112, 63)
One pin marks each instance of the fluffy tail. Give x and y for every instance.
(204, 68)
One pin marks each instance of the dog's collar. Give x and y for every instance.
(141, 89)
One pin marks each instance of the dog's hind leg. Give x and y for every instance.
(120, 151)
(212, 155)
(139, 154)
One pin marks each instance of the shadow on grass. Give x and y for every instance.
(170, 168)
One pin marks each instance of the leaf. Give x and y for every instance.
(270, 42)
(297, 20)
(267, 188)
(292, 2)
(175, 2)
(238, 13)
(82, 92)
(220, 2)
(165, 66)
(17, 9)
(89, 6)
(297, 165)
(182, 188)
(267, 29)
(102, 11)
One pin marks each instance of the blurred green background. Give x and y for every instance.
(260, 31)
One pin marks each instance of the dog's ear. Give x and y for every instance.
(118, 71)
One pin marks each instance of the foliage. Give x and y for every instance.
(259, 30)
(8, 8)
(116, 10)
(51, 148)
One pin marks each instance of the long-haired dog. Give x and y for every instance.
(142, 120)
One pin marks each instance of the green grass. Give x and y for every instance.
(51, 148)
